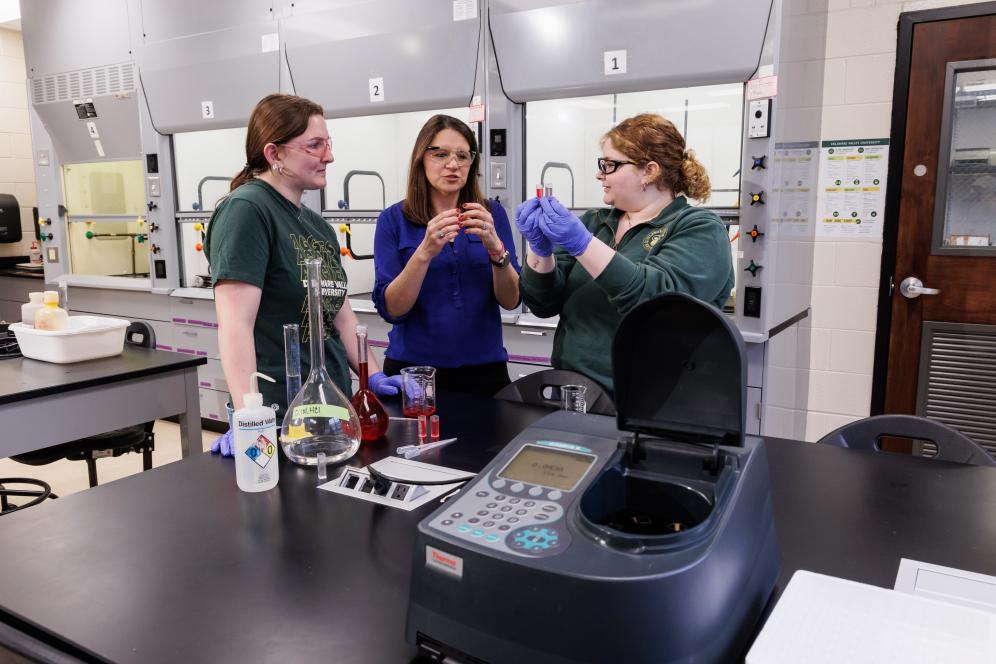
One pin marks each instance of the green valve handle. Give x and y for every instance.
(140, 238)
(89, 234)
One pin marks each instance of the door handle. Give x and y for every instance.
(912, 288)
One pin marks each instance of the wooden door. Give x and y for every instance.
(942, 346)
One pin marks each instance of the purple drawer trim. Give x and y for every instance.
(213, 416)
(164, 347)
(202, 353)
(196, 323)
(531, 359)
(377, 344)
(204, 384)
(188, 351)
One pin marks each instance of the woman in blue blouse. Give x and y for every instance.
(445, 261)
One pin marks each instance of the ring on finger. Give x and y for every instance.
(440, 234)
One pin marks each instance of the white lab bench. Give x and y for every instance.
(185, 322)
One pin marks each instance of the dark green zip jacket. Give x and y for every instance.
(684, 249)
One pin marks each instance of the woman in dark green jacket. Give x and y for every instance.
(651, 241)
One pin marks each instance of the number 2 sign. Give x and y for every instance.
(376, 89)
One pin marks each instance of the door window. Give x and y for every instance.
(965, 208)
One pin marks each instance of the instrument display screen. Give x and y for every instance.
(552, 468)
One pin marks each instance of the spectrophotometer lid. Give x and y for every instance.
(680, 372)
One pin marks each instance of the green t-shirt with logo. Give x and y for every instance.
(259, 237)
(684, 249)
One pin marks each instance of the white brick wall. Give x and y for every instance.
(857, 103)
(16, 174)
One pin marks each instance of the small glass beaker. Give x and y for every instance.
(418, 391)
(572, 398)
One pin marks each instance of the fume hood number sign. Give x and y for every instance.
(615, 62)
(207, 110)
(376, 89)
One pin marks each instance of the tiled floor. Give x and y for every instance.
(68, 477)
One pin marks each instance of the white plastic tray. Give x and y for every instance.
(86, 338)
(825, 620)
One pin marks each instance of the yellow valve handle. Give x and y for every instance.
(344, 228)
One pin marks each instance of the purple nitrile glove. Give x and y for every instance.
(562, 227)
(526, 220)
(223, 443)
(384, 385)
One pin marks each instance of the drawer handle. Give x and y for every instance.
(189, 333)
(533, 333)
(185, 301)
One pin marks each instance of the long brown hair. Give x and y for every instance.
(418, 204)
(275, 119)
(650, 137)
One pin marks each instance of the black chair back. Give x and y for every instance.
(543, 389)
(951, 445)
(140, 333)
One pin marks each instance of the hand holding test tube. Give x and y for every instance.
(527, 221)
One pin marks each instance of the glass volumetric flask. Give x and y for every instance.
(320, 419)
(292, 360)
(373, 417)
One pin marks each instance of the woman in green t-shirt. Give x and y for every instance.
(257, 243)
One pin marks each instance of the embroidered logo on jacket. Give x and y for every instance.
(653, 237)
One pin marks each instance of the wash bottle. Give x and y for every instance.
(255, 440)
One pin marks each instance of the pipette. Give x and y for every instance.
(412, 451)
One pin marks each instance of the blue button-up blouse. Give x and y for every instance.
(455, 321)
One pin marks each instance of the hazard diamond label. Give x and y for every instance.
(261, 451)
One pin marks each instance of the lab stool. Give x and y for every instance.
(9, 488)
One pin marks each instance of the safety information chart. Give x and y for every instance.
(852, 187)
(795, 172)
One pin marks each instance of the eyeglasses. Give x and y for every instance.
(317, 147)
(442, 156)
(610, 165)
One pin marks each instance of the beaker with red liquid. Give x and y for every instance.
(418, 391)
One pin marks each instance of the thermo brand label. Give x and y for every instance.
(444, 562)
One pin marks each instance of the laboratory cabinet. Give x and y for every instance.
(14, 292)
(185, 322)
(182, 324)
